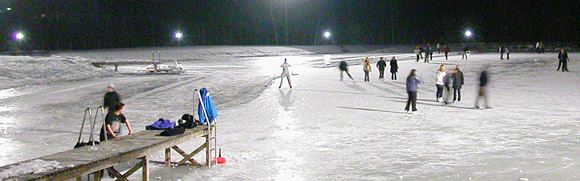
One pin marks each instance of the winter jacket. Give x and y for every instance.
(483, 79)
(208, 105)
(381, 64)
(417, 51)
(412, 84)
(161, 124)
(111, 98)
(457, 79)
(394, 66)
(446, 50)
(343, 66)
(447, 80)
(367, 67)
(563, 56)
(439, 78)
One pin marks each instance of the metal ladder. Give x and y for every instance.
(212, 135)
(102, 110)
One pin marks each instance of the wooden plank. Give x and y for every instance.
(186, 156)
(91, 159)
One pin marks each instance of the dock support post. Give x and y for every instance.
(145, 168)
(208, 146)
(168, 157)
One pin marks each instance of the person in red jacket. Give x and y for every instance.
(446, 50)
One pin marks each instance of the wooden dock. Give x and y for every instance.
(88, 159)
(117, 63)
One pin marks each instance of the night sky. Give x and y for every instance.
(92, 24)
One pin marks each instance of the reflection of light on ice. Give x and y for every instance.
(8, 93)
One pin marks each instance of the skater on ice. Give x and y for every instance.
(482, 93)
(446, 51)
(429, 53)
(501, 52)
(381, 64)
(394, 68)
(111, 98)
(457, 77)
(563, 57)
(439, 83)
(412, 88)
(507, 52)
(344, 68)
(417, 52)
(367, 69)
(285, 73)
(465, 50)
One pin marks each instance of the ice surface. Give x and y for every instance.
(326, 129)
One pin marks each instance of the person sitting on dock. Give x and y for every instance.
(113, 122)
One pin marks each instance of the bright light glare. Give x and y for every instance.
(19, 36)
(178, 35)
(468, 33)
(327, 34)
(8, 9)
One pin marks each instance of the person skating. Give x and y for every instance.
(394, 68)
(430, 51)
(507, 52)
(563, 57)
(446, 51)
(501, 52)
(344, 68)
(465, 50)
(417, 52)
(367, 69)
(447, 82)
(538, 47)
(111, 97)
(439, 78)
(285, 73)
(381, 64)
(482, 93)
(412, 88)
(457, 77)
(438, 48)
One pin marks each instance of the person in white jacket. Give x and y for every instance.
(285, 73)
(439, 83)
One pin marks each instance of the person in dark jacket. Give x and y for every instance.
(457, 84)
(507, 52)
(412, 88)
(483, 81)
(344, 68)
(394, 68)
(563, 57)
(111, 97)
(113, 121)
(381, 64)
(465, 50)
(446, 51)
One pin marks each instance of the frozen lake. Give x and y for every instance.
(326, 129)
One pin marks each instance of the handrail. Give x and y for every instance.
(87, 110)
(102, 110)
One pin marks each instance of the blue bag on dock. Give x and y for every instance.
(209, 107)
(161, 124)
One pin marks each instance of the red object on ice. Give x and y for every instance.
(220, 159)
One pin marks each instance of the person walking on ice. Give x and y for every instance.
(111, 98)
(446, 51)
(285, 73)
(482, 94)
(412, 88)
(367, 69)
(563, 57)
(439, 83)
(344, 68)
(381, 64)
(394, 68)
(465, 50)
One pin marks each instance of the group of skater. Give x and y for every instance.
(381, 65)
(428, 52)
(444, 82)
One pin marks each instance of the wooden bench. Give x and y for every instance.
(89, 159)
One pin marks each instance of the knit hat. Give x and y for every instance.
(111, 86)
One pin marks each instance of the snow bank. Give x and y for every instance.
(32, 167)
(25, 70)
